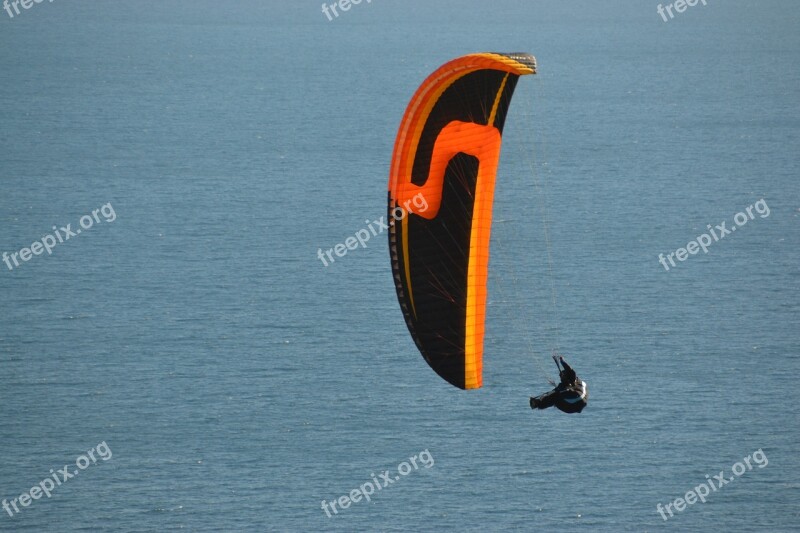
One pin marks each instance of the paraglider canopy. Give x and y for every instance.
(446, 153)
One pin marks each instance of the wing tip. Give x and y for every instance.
(524, 62)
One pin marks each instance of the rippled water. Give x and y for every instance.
(238, 382)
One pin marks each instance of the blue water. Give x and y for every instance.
(238, 382)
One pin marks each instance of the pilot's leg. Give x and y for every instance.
(544, 401)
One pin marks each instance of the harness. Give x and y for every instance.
(581, 397)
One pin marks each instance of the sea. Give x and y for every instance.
(187, 362)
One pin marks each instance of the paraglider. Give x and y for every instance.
(570, 396)
(447, 150)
